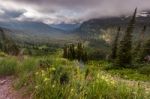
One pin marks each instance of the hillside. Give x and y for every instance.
(101, 26)
(36, 32)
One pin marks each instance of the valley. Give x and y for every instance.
(95, 58)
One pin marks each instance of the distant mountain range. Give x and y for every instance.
(38, 31)
(35, 32)
(66, 27)
(99, 25)
(37, 27)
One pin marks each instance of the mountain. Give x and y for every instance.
(65, 26)
(37, 27)
(35, 32)
(108, 26)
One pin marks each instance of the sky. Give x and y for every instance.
(67, 11)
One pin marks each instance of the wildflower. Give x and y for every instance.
(36, 87)
(103, 77)
(43, 73)
(112, 82)
(53, 69)
(53, 86)
(98, 75)
(134, 93)
(37, 73)
(46, 79)
(71, 90)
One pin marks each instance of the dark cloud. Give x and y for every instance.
(72, 10)
(10, 14)
(13, 13)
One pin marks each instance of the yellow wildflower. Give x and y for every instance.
(53, 69)
(53, 86)
(46, 79)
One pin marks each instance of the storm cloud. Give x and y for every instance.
(56, 11)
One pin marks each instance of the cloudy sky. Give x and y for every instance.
(69, 11)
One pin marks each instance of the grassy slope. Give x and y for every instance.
(52, 77)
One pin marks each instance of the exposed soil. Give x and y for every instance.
(6, 89)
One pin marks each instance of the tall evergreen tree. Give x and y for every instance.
(75, 52)
(138, 47)
(72, 51)
(124, 56)
(145, 51)
(115, 45)
(79, 51)
(7, 44)
(65, 51)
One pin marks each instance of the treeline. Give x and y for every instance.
(75, 52)
(7, 45)
(11, 47)
(124, 53)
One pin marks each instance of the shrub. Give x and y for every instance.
(64, 78)
(2, 54)
(145, 70)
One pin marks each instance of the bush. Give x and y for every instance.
(145, 70)
(45, 63)
(64, 78)
(2, 54)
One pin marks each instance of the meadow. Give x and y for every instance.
(53, 77)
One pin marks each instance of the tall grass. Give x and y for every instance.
(25, 71)
(8, 66)
(53, 77)
(93, 85)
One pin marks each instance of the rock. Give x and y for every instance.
(2, 82)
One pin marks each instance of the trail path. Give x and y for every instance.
(6, 89)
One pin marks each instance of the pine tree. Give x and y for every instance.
(3, 38)
(7, 45)
(145, 51)
(124, 56)
(73, 52)
(65, 52)
(115, 46)
(137, 49)
(79, 51)
(85, 57)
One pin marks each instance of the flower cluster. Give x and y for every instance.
(107, 78)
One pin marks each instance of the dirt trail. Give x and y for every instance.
(6, 89)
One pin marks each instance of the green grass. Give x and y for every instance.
(93, 85)
(53, 77)
(8, 66)
(139, 73)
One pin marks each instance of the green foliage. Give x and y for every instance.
(73, 52)
(64, 79)
(145, 51)
(7, 45)
(45, 63)
(145, 69)
(8, 66)
(124, 56)
(96, 84)
(2, 54)
(138, 73)
(65, 52)
(115, 46)
(138, 47)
